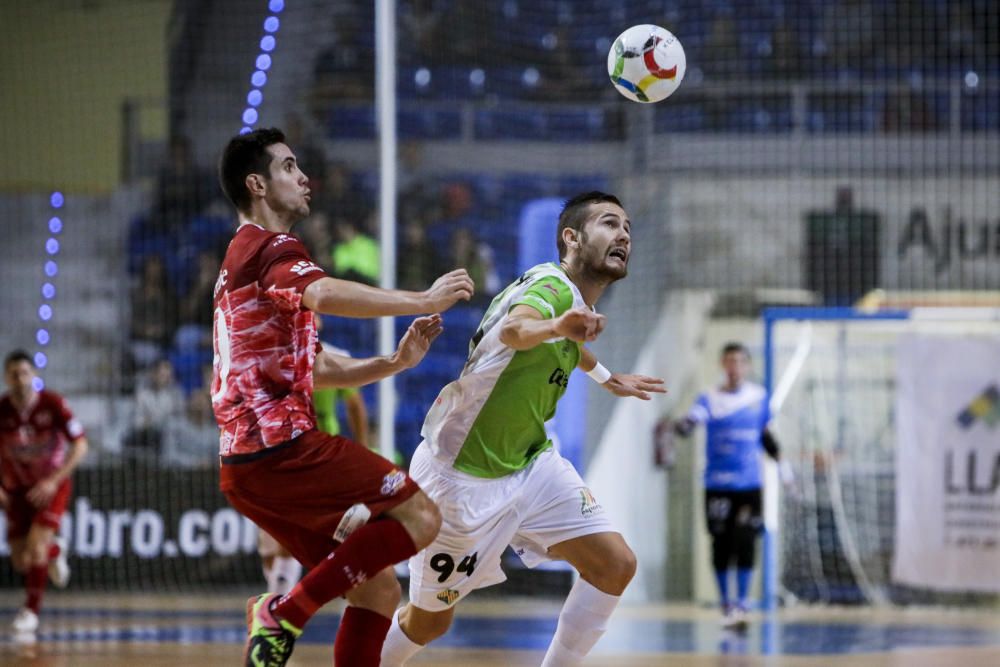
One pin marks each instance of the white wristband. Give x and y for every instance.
(599, 374)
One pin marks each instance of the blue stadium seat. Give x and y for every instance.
(355, 122)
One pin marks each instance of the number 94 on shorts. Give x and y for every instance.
(530, 510)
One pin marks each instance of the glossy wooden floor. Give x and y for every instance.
(149, 631)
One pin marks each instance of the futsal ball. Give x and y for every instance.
(646, 63)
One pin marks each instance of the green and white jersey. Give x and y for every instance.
(490, 422)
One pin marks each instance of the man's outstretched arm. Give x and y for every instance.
(619, 384)
(332, 370)
(332, 296)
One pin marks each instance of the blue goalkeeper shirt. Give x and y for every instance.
(734, 422)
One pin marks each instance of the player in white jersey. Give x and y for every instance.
(489, 465)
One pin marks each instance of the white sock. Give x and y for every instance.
(583, 620)
(283, 575)
(398, 648)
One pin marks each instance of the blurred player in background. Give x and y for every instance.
(41, 444)
(281, 570)
(488, 463)
(736, 415)
(341, 510)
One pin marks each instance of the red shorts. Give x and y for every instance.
(299, 492)
(21, 514)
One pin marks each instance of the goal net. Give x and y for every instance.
(834, 375)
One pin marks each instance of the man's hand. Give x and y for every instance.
(580, 324)
(639, 386)
(41, 493)
(448, 289)
(417, 340)
(4, 499)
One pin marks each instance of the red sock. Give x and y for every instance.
(53, 551)
(360, 637)
(369, 550)
(34, 586)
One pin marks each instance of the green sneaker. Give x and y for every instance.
(269, 639)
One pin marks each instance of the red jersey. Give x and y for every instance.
(265, 341)
(33, 443)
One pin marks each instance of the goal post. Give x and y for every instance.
(832, 375)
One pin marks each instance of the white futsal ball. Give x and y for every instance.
(646, 63)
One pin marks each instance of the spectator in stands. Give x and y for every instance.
(961, 44)
(475, 257)
(913, 39)
(422, 26)
(182, 189)
(563, 76)
(191, 439)
(345, 70)
(848, 31)
(195, 329)
(422, 260)
(355, 253)
(158, 401)
(154, 313)
(308, 153)
(721, 56)
(341, 197)
(787, 59)
(314, 232)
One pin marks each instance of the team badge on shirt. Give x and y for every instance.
(393, 482)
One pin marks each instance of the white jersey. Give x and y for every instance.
(490, 422)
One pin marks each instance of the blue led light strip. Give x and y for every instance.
(263, 63)
(51, 269)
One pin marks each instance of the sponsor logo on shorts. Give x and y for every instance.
(393, 482)
(303, 267)
(449, 596)
(588, 503)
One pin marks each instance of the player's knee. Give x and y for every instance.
(423, 627)
(424, 521)
(616, 571)
(381, 593)
(623, 568)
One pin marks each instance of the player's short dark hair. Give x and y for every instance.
(733, 346)
(17, 356)
(246, 154)
(574, 213)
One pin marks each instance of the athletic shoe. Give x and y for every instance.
(59, 566)
(25, 622)
(735, 618)
(269, 639)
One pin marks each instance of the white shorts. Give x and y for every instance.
(531, 510)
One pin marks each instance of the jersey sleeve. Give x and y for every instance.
(699, 412)
(70, 425)
(285, 264)
(549, 295)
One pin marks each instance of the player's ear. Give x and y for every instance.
(570, 237)
(255, 184)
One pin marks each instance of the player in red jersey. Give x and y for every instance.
(41, 445)
(341, 510)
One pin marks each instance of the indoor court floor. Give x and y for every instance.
(145, 630)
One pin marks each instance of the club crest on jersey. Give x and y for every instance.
(393, 482)
(588, 503)
(448, 597)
